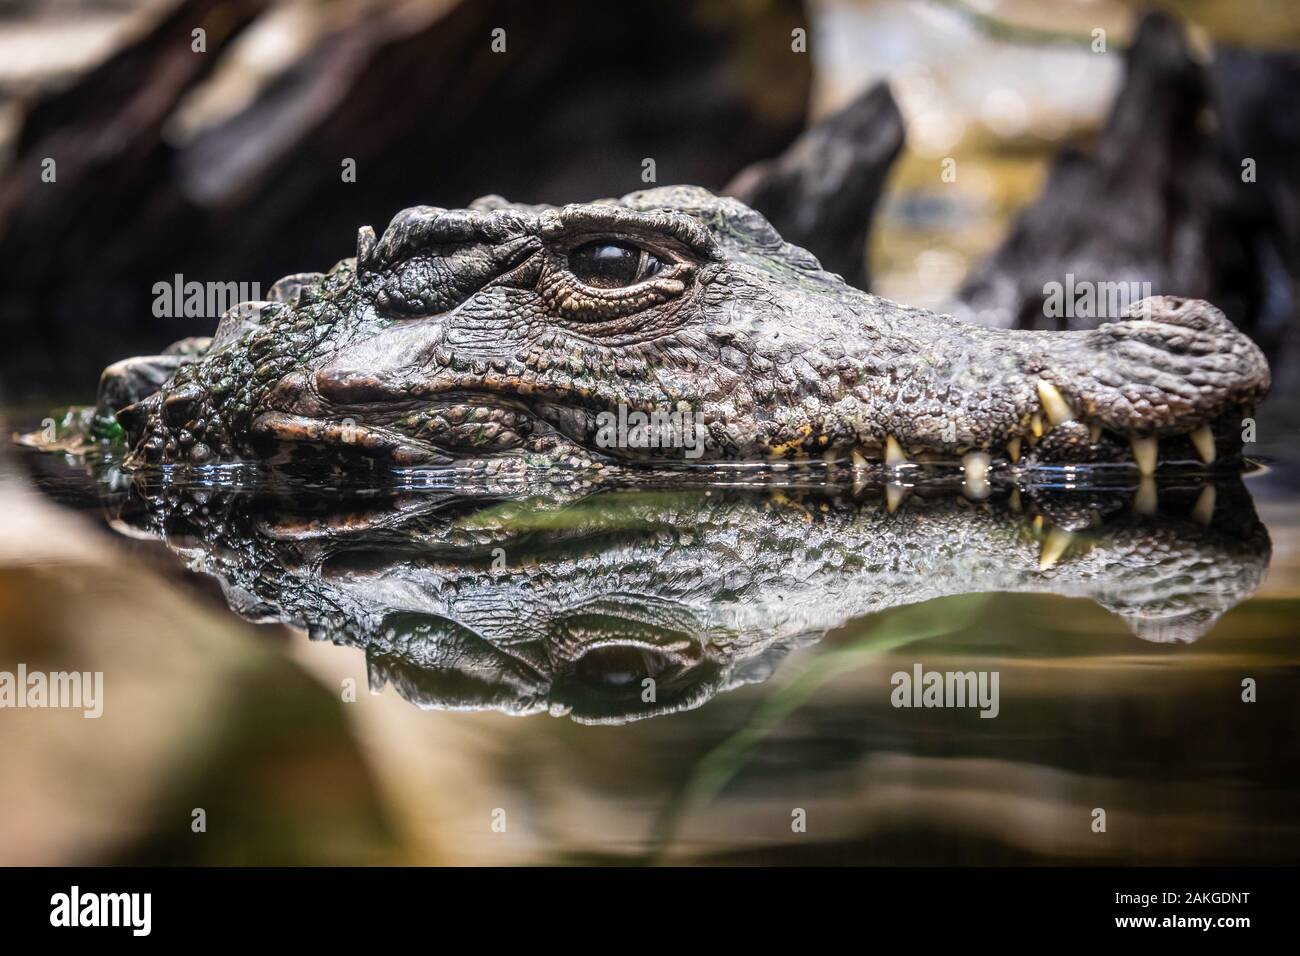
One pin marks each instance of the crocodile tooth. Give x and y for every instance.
(1036, 425)
(859, 461)
(859, 482)
(1054, 546)
(1203, 439)
(1145, 501)
(1013, 449)
(976, 464)
(1203, 510)
(894, 495)
(1014, 500)
(1144, 453)
(894, 452)
(1094, 433)
(1058, 410)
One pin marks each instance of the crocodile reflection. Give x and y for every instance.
(527, 605)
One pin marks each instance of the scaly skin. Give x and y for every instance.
(464, 335)
(564, 604)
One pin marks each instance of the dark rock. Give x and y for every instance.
(1260, 108)
(822, 191)
(1161, 198)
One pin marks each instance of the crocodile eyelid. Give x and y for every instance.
(597, 219)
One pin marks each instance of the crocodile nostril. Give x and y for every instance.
(179, 406)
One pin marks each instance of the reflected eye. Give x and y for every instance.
(614, 667)
(612, 265)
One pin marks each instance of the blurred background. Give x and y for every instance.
(225, 166)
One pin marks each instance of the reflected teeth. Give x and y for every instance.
(1146, 501)
(894, 495)
(894, 452)
(1203, 439)
(1144, 453)
(1054, 546)
(1013, 449)
(1203, 510)
(1058, 410)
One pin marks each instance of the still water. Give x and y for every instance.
(719, 672)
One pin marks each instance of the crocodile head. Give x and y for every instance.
(672, 325)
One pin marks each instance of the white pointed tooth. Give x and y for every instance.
(859, 482)
(894, 495)
(859, 461)
(1014, 500)
(1146, 501)
(1054, 546)
(1094, 433)
(1203, 510)
(976, 466)
(1036, 425)
(1055, 405)
(1145, 453)
(1203, 439)
(894, 452)
(1013, 449)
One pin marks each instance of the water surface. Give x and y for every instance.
(448, 674)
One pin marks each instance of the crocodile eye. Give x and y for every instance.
(612, 265)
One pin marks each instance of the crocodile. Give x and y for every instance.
(567, 603)
(668, 327)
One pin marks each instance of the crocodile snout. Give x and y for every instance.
(1172, 369)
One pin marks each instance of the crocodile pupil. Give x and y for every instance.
(610, 265)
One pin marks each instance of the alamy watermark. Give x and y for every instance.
(922, 688)
(201, 300)
(77, 690)
(75, 908)
(1082, 298)
(632, 428)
